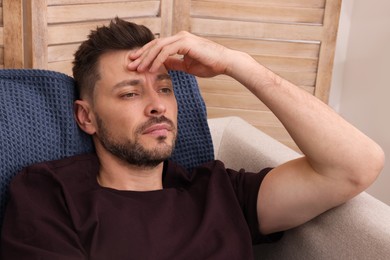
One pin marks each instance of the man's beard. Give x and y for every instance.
(131, 151)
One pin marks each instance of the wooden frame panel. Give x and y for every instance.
(1, 36)
(36, 34)
(328, 46)
(257, 12)
(13, 40)
(290, 3)
(101, 11)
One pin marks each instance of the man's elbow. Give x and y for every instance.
(369, 169)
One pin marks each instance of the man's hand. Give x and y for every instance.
(184, 52)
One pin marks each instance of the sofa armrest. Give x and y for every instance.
(240, 145)
(358, 229)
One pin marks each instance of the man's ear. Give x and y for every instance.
(84, 116)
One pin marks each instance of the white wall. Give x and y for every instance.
(360, 89)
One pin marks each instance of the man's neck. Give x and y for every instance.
(117, 174)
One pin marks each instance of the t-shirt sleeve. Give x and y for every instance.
(246, 186)
(36, 223)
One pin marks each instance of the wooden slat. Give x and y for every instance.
(62, 52)
(253, 30)
(232, 87)
(2, 56)
(36, 34)
(327, 52)
(296, 3)
(267, 117)
(1, 36)
(181, 16)
(275, 63)
(256, 12)
(167, 17)
(13, 34)
(220, 84)
(62, 66)
(77, 32)
(75, 2)
(1, 15)
(274, 48)
(102, 11)
(1, 40)
(298, 78)
(234, 101)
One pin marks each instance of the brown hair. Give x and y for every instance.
(119, 35)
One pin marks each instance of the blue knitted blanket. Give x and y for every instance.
(37, 123)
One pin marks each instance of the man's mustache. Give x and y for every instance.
(156, 120)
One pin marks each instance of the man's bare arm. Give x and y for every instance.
(339, 162)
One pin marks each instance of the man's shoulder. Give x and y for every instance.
(210, 169)
(208, 166)
(75, 160)
(67, 167)
(66, 162)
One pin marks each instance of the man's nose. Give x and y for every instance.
(155, 105)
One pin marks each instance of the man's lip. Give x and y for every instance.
(157, 128)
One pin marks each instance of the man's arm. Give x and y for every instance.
(339, 161)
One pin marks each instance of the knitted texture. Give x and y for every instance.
(194, 145)
(37, 122)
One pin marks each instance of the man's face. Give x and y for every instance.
(135, 113)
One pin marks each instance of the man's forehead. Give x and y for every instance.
(114, 60)
(116, 63)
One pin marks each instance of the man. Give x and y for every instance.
(129, 202)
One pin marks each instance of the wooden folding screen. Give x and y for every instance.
(1, 36)
(295, 38)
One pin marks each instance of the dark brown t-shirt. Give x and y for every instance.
(58, 211)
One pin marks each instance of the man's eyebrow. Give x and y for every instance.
(124, 83)
(137, 82)
(164, 76)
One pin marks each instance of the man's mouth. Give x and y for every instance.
(157, 127)
(160, 129)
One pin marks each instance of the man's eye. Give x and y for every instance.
(129, 95)
(166, 90)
